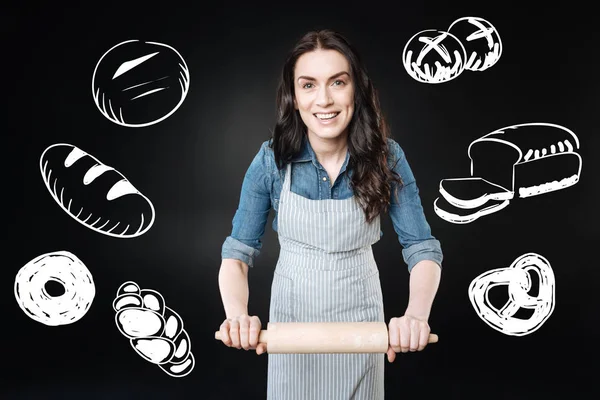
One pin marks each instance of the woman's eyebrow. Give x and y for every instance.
(310, 78)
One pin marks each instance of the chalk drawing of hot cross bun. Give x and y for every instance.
(516, 161)
(438, 56)
(94, 194)
(433, 56)
(155, 331)
(138, 83)
(481, 41)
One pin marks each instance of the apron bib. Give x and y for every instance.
(326, 272)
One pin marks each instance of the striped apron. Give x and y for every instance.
(326, 272)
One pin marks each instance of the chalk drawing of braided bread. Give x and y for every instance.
(155, 331)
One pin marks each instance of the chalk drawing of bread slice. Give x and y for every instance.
(466, 199)
(472, 192)
(523, 160)
(94, 194)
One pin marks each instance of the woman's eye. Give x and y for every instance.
(339, 82)
(306, 84)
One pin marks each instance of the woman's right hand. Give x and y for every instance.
(242, 333)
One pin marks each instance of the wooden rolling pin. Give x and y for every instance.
(326, 337)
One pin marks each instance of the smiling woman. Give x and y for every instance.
(325, 103)
(317, 96)
(329, 171)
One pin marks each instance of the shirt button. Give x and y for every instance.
(324, 178)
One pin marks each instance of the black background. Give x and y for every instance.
(191, 166)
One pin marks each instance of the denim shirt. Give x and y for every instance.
(262, 186)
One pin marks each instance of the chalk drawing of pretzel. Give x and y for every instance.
(154, 330)
(519, 284)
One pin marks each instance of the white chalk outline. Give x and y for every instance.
(522, 159)
(184, 81)
(442, 73)
(165, 314)
(517, 278)
(477, 202)
(39, 305)
(504, 195)
(120, 188)
(463, 62)
(491, 58)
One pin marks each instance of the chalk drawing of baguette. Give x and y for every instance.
(94, 194)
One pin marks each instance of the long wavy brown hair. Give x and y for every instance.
(367, 131)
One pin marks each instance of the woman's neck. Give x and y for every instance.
(329, 151)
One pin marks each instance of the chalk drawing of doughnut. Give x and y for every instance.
(65, 269)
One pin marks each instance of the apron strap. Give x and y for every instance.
(287, 179)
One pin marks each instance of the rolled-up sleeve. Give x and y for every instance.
(249, 221)
(408, 218)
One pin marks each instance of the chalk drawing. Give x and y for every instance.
(67, 270)
(433, 56)
(438, 56)
(518, 280)
(155, 331)
(137, 83)
(516, 161)
(481, 41)
(94, 194)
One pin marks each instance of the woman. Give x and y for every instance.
(329, 171)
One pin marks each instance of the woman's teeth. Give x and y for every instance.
(327, 116)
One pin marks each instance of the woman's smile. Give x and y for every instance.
(328, 118)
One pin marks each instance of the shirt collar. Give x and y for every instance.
(306, 153)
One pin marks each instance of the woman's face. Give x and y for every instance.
(324, 92)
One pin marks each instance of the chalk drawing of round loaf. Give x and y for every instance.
(94, 194)
(138, 83)
(521, 160)
(433, 56)
(155, 331)
(481, 41)
(438, 56)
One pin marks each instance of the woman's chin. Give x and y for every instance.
(327, 133)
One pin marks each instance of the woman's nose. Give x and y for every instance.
(323, 97)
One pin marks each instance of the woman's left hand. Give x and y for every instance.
(407, 333)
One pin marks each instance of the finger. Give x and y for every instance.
(234, 333)
(404, 336)
(415, 334)
(261, 348)
(254, 332)
(244, 333)
(394, 335)
(391, 354)
(423, 338)
(224, 330)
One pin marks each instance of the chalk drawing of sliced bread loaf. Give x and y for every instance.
(94, 194)
(521, 160)
(527, 159)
